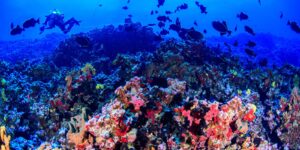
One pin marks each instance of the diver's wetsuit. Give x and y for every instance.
(57, 19)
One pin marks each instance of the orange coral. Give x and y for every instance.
(4, 139)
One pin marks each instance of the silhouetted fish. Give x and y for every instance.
(195, 23)
(11, 25)
(259, 2)
(168, 12)
(242, 16)
(152, 12)
(151, 24)
(160, 3)
(221, 27)
(250, 52)
(125, 7)
(251, 44)
(263, 62)
(83, 41)
(182, 7)
(294, 26)
(192, 34)
(17, 30)
(30, 23)
(204, 31)
(163, 18)
(164, 32)
(202, 7)
(161, 24)
(100, 5)
(249, 30)
(281, 15)
(235, 28)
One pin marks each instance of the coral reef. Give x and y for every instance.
(4, 139)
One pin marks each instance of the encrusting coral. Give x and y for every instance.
(4, 139)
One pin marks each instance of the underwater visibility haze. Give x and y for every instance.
(141, 74)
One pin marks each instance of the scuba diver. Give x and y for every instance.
(57, 19)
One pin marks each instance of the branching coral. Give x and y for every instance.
(4, 139)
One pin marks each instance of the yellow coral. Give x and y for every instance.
(99, 86)
(4, 139)
(3, 95)
(88, 68)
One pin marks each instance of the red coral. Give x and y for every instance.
(137, 103)
(249, 116)
(213, 112)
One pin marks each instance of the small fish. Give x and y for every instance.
(164, 32)
(161, 24)
(178, 22)
(182, 7)
(294, 26)
(194, 35)
(242, 16)
(17, 30)
(30, 23)
(195, 23)
(100, 5)
(156, 12)
(160, 3)
(174, 27)
(259, 2)
(128, 20)
(163, 18)
(236, 43)
(128, 1)
(281, 15)
(168, 12)
(151, 24)
(125, 7)
(251, 44)
(202, 7)
(263, 62)
(235, 28)
(83, 41)
(250, 52)
(204, 31)
(152, 12)
(249, 30)
(221, 27)
(130, 16)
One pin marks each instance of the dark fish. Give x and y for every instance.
(128, 1)
(130, 15)
(202, 7)
(168, 12)
(128, 20)
(195, 23)
(204, 31)
(125, 7)
(235, 28)
(152, 12)
(251, 44)
(151, 24)
(242, 16)
(161, 24)
(178, 22)
(182, 7)
(194, 35)
(163, 18)
(236, 43)
(100, 5)
(250, 52)
(17, 30)
(221, 27)
(83, 41)
(294, 26)
(281, 15)
(164, 32)
(158, 38)
(156, 12)
(160, 3)
(174, 27)
(263, 62)
(249, 30)
(30, 23)
(259, 2)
